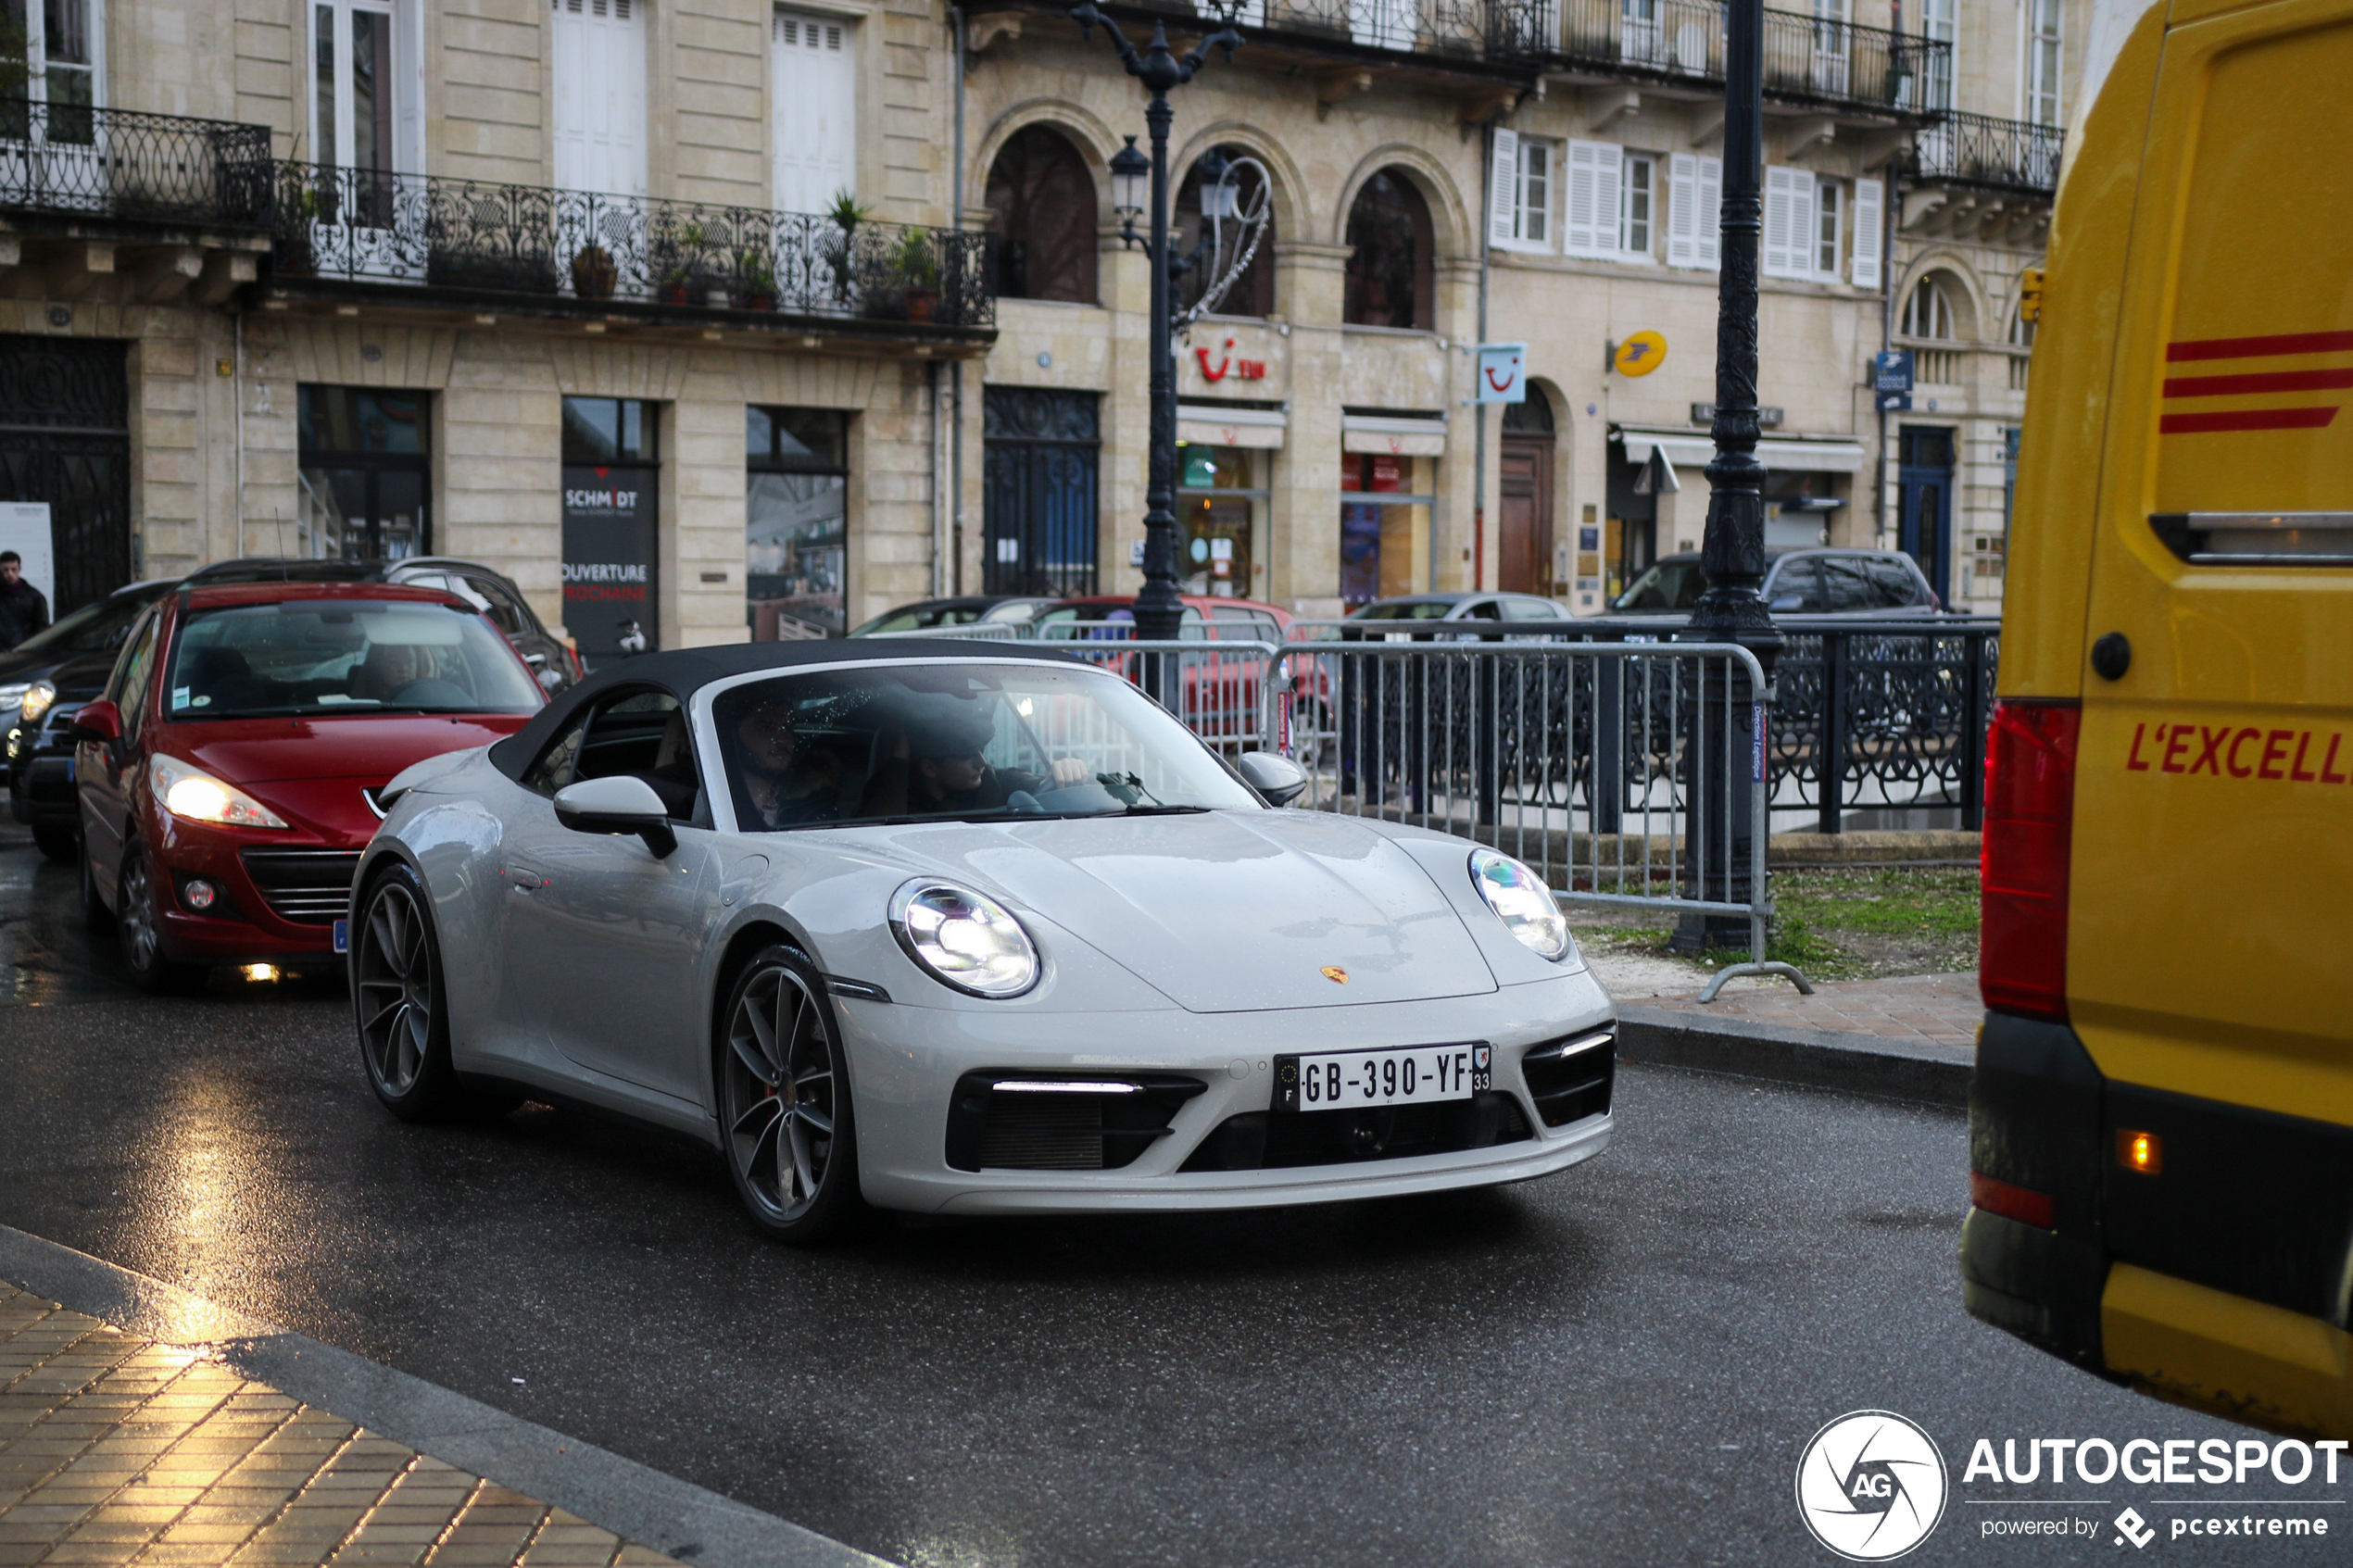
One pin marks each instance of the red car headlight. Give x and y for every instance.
(198, 797)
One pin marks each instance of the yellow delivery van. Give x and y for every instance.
(2161, 1124)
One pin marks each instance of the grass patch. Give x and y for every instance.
(1848, 924)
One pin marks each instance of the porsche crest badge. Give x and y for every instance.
(1336, 974)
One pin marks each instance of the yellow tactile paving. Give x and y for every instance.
(116, 1452)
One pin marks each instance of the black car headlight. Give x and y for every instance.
(967, 940)
(1523, 903)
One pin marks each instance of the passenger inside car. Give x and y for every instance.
(950, 774)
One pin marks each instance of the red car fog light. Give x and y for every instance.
(200, 894)
(2012, 1202)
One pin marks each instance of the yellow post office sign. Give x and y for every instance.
(1640, 355)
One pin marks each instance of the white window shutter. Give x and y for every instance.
(1581, 231)
(1682, 211)
(1868, 195)
(1784, 236)
(1802, 235)
(1503, 193)
(1609, 169)
(1710, 235)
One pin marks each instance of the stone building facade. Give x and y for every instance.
(747, 319)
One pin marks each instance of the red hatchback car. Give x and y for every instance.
(227, 776)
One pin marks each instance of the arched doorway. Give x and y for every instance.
(1524, 515)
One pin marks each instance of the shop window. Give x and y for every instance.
(1390, 277)
(1041, 207)
(795, 522)
(363, 464)
(1252, 294)
(1221, 492)
(611, 476)
(1384, 524)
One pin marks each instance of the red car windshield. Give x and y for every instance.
(343, 656)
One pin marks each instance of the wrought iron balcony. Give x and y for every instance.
(576, 249)
(1807, 60)
(1455, 31)
(80, 161)
(1977, 149)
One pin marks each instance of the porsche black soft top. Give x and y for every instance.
(684, 671)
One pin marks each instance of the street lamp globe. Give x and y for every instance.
(1132, 177)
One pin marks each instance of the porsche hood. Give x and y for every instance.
(1227, 912)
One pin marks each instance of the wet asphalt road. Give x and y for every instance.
(1620, 1364)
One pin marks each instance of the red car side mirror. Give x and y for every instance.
(97, 721)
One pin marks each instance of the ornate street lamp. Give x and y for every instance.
(1158, 612)
(1132, 177)
(1732, 552)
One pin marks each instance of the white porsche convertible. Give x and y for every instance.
(960, 929)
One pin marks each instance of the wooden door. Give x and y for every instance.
(1524, 543)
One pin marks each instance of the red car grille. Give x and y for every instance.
(307, 886)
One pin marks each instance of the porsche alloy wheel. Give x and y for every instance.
(784, 1102)
(397, 1000)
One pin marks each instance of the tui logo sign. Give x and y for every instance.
(1871, 1486)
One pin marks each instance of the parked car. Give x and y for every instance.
(1466, 617)
(554, 662)
(39, 679)
(226, 775)
(1856, 583)
(1220, 694)
(873, 925)
(929, 615)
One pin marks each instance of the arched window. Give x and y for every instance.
(1041, 207)
(1929, 312)
(1388, 263)
(2021, 329)
(1532, 418)
(1253, 292)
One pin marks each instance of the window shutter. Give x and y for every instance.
(1789, 223)
(1578, 230)
(1710, 235)
(1609, 169)
(1867, 233)
(1502, 192)
(1801, 222)
(1682, 211)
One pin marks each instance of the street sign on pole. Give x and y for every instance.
(1895, 402)
(1892, 371)
(1502, 373)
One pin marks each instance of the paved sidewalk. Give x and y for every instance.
(1914, 1037)
(116, 1450)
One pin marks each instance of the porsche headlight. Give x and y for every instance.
(967, 941)
(1522, 902)
(200, 797)
(35, 701)
(13, 692)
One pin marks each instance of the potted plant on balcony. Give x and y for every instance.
(841, 251)
(757, 276)
(594, 272)
(678, 262)
(291, 250)
(919, 269)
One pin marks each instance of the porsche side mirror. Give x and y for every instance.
(620, 803)
(1276, 777)
(97, 720)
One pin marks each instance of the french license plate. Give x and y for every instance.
(1404, 1076)
(343, 937)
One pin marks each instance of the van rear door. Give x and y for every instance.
(2210, 926)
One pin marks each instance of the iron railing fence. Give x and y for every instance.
(1808, 59)
(1504, 30)
(79, 158)
(1902, 707)
(1977, 149)
(486, 237)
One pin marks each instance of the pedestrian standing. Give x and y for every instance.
(23, 611)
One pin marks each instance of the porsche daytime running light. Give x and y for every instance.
(967, 941)
(200, 797)
(36, 701)
(1522, 902)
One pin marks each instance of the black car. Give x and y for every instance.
(1826, 581)
(927, 615)
(552, 659)
(37, 680)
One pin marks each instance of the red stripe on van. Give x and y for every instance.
(2274, 380)
(2258, 347)
(2246, 418)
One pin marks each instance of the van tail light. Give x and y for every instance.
(2023, 1204)
(2030, 808)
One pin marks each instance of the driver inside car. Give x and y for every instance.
(950, 774)
(787, 786)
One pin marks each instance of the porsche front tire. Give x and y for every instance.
(786, 1125)
(397, 1000)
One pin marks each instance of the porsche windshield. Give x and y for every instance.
(343, 656)
(907, 741)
